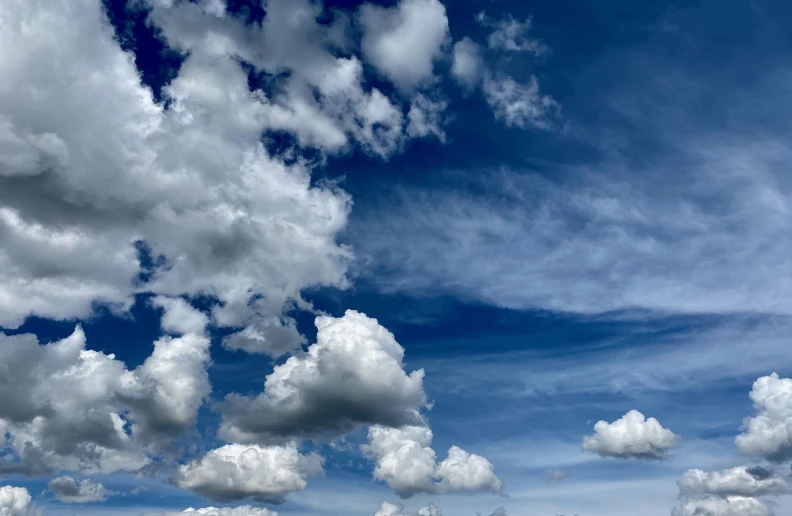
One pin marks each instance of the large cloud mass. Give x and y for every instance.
(353, 375)
(16, 501)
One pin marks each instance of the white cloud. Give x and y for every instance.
(353, 375)
(426, 117)
(519, 104)
(468, 64)
(511, 35)
(632, 436)
(554, 475)
(392, 509)
(768, 434)
(235, 472)
(69, 490)
(730, 506)
(179, 316)
(68, 407)
(242, 510)
(404, 460)
(16, 501)
(739, 481)
(404, 41)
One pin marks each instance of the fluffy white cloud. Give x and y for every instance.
(404, 41)
(740, 481)
(404, 460)
(16, 501)
(235, 472)
(768, 434)
(179, 316)
(353, 375)
(468, 64)
(75, 409)
(426, 117)
(632, 436)
(729, 506)
(242, 510)
(69, 490)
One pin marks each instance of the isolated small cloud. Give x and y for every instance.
(511, 35)
(632, 436)
(16, 501)
(392, 509)
(768, 434)
(468, 64)
(179, 316)
(69, 490)
(404, 460)
(234, 472)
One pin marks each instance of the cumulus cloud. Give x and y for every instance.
(768, 434)
(729, 506)
(519, 104)
(179, 316)
(69, 490)
(404, 460)
(74, 409)
(739, 481)
(353, 375)
(16, 501)
(632, 436)
(392, 509)
(242, 510)
(403, 42)
(235, 472)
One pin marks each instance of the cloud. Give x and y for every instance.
(730, 506)
(404, 460)
(69, 490)
(632, 436)
(392, 509)
(426, 117)
(242, 510)
(768, 434)
(739, 481)
(16, 501)
(403, 42)
(353, 375)
(235, 472)
(179, 316)
(554, 475)
(75, 409)
(468, 63)
(519, 104)
(511, 35)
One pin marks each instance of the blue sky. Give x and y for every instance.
(291, 256)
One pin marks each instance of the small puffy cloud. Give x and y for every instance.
(353, 375)
(554, 475)
(273, 336)
(519, 104)
(511, 35)
(768, 434)
(242, 510)
(740, 481)
(632, 436)
(16, 501)
(69, 490)
(468, 64)
(404, 41)
(404, 460)
(235, 472)
(179, 316)
(729, 506)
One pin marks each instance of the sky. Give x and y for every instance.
(395, 258)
